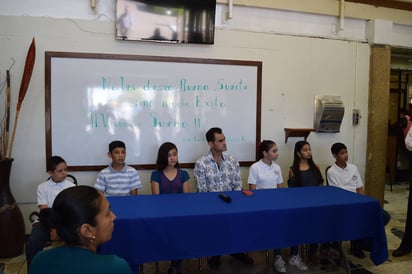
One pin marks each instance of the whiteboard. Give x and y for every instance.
(93, 99)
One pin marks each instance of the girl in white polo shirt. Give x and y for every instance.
(265, 173)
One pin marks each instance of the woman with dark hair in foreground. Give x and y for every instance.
(83, 220)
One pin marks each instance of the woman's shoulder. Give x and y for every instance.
(156, 172)
(183, 172)
(114, 264)
(155, 176)
(86, 262)
(276, 165)
(104, 264)
(42, 259)
(256, 164)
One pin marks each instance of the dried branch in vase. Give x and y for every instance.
(6, 145)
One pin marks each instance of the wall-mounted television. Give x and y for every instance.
(170, 21)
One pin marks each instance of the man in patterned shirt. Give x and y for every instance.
(216, 172)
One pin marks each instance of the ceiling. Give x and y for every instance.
(395, 4)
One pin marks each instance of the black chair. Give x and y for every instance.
(342, 255)
(34, 216)
(326, 175)
(388, 173)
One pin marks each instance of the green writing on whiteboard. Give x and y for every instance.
(150, 86)
(103, 120)
(208, 102)
(169, 123)
(224, 85)
(185, 86)
(123, 84)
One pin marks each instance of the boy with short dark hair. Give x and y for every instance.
(46, 193)
(343, 174)
(346, 176)
(118, 179)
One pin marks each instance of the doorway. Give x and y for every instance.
(400, 99)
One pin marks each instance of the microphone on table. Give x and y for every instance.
(225, 198)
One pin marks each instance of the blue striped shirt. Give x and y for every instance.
(118, 183)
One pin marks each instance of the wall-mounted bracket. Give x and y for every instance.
(297, 132)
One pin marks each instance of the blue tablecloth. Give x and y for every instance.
(175, 226)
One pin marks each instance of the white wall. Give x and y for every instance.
(296, 67)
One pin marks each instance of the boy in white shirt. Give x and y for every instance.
(46, 193)
(346, 176)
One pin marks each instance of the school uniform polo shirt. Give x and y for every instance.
(347, 178)
(265, 176)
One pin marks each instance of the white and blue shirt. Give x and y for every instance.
(209, 177)
(118, 182)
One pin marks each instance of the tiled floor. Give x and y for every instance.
(396, 206)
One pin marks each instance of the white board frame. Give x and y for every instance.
(215, 92)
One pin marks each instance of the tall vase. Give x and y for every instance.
(12, 230)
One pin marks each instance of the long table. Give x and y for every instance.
(153, 228)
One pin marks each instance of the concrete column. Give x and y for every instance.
(379, 77)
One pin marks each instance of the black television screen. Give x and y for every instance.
(173, 21)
